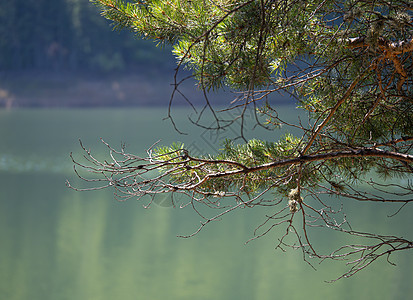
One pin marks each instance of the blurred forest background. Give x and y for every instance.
(62, 53)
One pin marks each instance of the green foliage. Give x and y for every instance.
(347, 63)
(333, 56)
(251, 154)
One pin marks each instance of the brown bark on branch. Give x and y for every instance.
(396, 48)
(332, 112)
(365, 152)
(388, 51)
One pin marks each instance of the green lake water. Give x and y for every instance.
(60, 244)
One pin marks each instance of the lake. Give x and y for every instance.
(60, 244)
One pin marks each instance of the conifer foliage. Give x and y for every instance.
(348, 64)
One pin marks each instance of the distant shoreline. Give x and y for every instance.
(37, 89)
(149, 87)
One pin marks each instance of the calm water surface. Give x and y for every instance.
(60, 244)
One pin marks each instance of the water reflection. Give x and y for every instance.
(61, 244)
